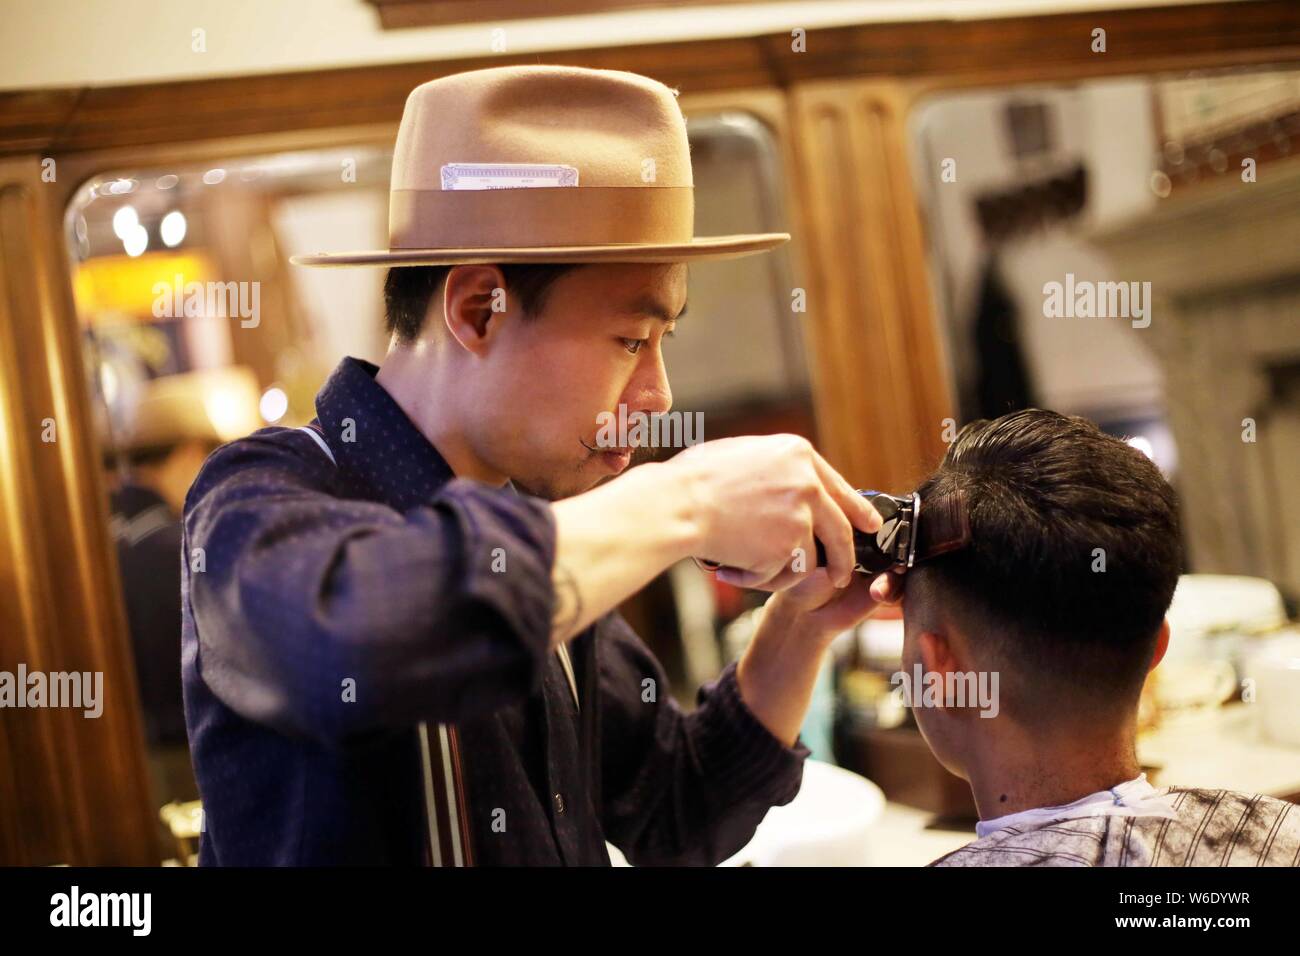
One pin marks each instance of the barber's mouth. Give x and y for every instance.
(616, 461)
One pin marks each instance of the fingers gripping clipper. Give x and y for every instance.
(909, 533)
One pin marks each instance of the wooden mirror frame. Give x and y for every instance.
(75, 790)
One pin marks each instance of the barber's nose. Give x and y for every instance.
(657, 396)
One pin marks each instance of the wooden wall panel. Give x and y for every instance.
(72, 788)
(880, 392)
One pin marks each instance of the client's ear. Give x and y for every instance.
(936, 653)
(1162, 644)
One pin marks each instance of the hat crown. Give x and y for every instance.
(543, 164)
(615, 128)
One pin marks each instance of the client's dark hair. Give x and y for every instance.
(407, 290)
(1052, 501)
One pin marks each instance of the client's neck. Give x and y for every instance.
(1018, 769)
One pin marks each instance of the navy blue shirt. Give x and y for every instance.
(330, 606)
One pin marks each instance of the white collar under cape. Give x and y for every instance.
(1132, 798)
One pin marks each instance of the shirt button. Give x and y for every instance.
(559, 803)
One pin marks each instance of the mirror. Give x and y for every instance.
(1124, 250)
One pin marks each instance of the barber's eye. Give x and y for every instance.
(633, 345)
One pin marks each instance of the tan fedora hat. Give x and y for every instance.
(543, 164)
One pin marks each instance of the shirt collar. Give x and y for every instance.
(381, 455)
(1136, 797)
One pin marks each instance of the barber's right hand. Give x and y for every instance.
(763, 501)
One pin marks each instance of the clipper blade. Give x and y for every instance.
(942, 526)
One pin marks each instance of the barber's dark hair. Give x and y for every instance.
(408, 289)
(1050, 498)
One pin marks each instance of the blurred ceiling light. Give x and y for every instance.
(168, 181)
(286, 164)
(1143, 445)
(214, 176)
(273, 405)
(227, 411)
(136, 241)
(172, 228)
(108, 383)
(120, 187)
(125, 221)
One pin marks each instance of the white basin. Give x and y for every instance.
(827, 824)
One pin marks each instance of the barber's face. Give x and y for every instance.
(595, 345)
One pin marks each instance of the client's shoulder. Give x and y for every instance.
(1227, 828)
(1069, 842)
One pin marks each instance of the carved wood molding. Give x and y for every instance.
(1216, 330)
(1244, 232)
(946, 53)
(402, 14)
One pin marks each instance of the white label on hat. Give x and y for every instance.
(507, 175)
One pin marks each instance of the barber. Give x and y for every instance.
(399, 639)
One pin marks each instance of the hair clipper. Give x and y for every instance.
(910, 531)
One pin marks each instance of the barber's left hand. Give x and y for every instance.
(779, 667)
(823, 610)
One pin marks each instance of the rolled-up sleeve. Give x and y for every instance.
(682, 788)
(325, 616)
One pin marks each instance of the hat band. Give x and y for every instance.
(540, 217)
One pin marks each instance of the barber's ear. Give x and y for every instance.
(1162, 645)
(467, 300)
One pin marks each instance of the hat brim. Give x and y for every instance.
(703, 247)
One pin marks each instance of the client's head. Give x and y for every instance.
(1062, 591)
